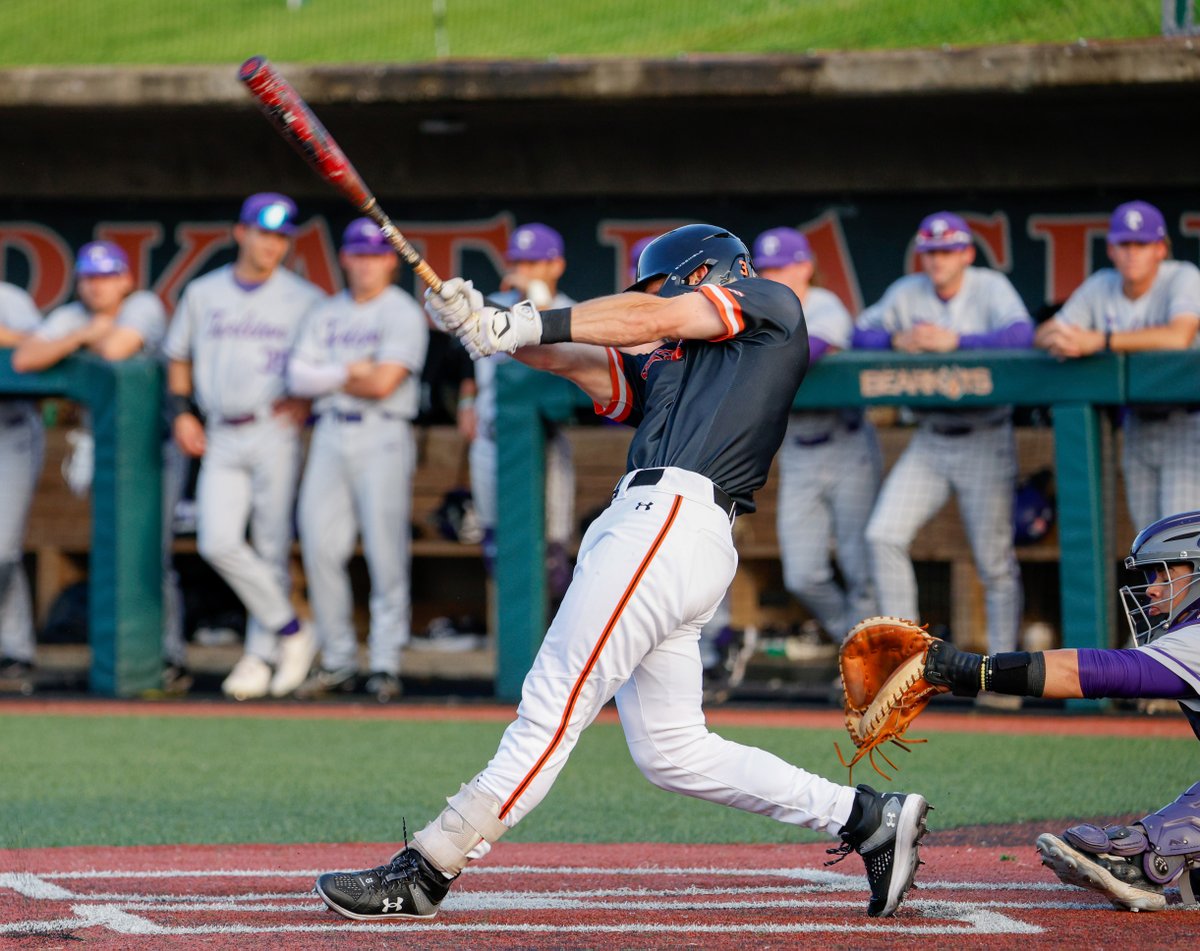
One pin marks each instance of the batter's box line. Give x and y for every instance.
(973, 920)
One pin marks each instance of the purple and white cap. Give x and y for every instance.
(779, 247)
(534, 242)
(269, 211)
(101, 257)
(943, 231)
(1136, 221)
(635, 254)
(363, 236)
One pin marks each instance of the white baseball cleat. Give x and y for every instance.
(1117, 878)
(249, 679)
(296, 655)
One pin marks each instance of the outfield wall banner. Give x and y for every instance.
(1047, 243)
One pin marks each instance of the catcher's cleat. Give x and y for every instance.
(1120, 879)
(887, 835)
(407, 887)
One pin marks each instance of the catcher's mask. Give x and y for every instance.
(675, 255)
(1169, 542)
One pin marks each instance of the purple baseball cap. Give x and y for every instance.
(534, 242)
(635, 254)
(363, 236)
(269, 211)
(943, 231)
(1136, 221)
(779, 247)
(101, 257)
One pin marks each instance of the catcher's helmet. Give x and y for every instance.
(1170, 541)
(678, 253)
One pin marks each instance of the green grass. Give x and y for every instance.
(34, 32)
(123, 781)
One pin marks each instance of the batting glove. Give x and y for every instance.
(452, 307)
(508, 330)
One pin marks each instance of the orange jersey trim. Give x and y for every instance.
(620, 405)
(593, 658)
(729, 309)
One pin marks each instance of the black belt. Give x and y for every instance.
(238, 420)
(822, 438)
(722, 498)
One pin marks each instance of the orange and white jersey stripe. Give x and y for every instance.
(620, 404)
(729, 309)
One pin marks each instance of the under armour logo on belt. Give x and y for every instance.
(642, 505)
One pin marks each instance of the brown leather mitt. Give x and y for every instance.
(882, 663)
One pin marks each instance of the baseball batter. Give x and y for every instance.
(950, 306)
(360, 355)
(1130, 865)
(1143, 302)
(829, 464)
(21, 446)
(228, 345)
(115, 321)
(720, 356)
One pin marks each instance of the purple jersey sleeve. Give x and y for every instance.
(1016, 336)
(1128, 674)
(817, 348)
(870, 338)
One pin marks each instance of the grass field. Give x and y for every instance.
(33, 32)
(122, 780)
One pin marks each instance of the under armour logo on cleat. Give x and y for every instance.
(387, 905)
(642, 505)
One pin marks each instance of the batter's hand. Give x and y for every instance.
(504, 330)
(189, 435)
(452, 307)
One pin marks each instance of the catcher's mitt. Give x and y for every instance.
(882, 664)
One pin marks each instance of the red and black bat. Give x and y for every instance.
(293, 119)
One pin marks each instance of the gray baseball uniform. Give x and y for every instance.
(970, 452)
(829, 474)
(238, 340)
(358, 477)
(22, 442)
(1161, 455)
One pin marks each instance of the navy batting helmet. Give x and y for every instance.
(676, 254)
(1152, 608)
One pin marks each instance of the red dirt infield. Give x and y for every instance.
(561, 896)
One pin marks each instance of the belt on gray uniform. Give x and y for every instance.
(359, 417)
(721, 498)
(238, 420)
(822, 438)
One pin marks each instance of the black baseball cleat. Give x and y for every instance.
(886, 830)
(407, 887)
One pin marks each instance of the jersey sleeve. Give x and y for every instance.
(1005, 306)
(827, 319)
(625, 400)
(405, 338)
(754, 307)
(143, 312)
(59, 322)
(308, 337)
(17, 310)
(1185, 292)
(178, 343)
(1080, 308)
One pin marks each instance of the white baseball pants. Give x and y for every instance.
(1161, 463)
(22, 445)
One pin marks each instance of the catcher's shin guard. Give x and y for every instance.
(1133, 865)
(470, 817)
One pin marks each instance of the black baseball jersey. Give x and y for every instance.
(717, 407)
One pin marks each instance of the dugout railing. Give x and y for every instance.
(1076, 392)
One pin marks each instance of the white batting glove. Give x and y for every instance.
(509, 330)
(452, 307)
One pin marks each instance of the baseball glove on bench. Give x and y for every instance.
(882, 664)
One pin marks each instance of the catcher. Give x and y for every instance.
(1132, 866)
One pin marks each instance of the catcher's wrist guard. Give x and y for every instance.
(962, 672)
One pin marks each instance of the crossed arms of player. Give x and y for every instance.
(629, 321)
(103, 336)
(367, 379)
